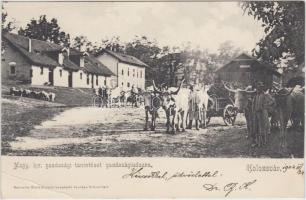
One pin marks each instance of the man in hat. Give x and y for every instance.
(194, 110)
(261, 124)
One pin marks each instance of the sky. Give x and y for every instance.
(204, 24)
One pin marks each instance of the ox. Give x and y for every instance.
(117, 96)
(15, 92)
(243, 103)
(43, 95)
(26, 93)
(203, 105)
(289, 103)
(175, 103)
(152, 103)
(133, 96)
(51, 96)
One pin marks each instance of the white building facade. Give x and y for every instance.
(129, 71)
(42, 63)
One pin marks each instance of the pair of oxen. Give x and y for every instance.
(287, 105)
(175, 103)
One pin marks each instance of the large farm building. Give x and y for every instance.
(247, 70)
(39, 62)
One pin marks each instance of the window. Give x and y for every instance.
(87, 79)
(133, 72)
(41, 70)
(12, 69)
(81, 75)
(244, 66)
(122, 83)
(128, 72)
(61, 73)
(122, 72)
(97, 81)
(137, 74)
(128, 84)
(31, 73)
(105, 81)
(140, 73)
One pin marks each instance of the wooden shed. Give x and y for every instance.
(247, 70)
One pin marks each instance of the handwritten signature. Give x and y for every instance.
(230, 187)
(140, 173)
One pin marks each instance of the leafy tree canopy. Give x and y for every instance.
(284, 23)
(6, 26)
(45, 30)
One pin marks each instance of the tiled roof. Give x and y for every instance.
(37, 45)
(92, 65)
(41, 48)
(126, 58)
(68, 64)
(37, 58)
(245, 57)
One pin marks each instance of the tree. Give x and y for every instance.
(113, 44)
(284, 24)
(45, 30)
(147, 51)
(83, 44)
(6, 26)
(227, 51)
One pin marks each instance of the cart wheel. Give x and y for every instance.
(229, 115)
(98, 102)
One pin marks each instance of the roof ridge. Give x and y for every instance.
(121, 56)
(33, 39)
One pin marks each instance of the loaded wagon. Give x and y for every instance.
(221, 104)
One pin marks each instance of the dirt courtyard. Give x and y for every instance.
(89, 131)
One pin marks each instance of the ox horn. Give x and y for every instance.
(286, 94)
(249, 91)
(176, 92)
(229, 89)
(155, 88)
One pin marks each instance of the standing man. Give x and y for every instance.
(261, 125)
(194, 110)
(134, 94)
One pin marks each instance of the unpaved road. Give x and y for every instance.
(88, 131)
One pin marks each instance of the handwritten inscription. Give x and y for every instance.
(229, 187)
(138, 173)
(298, 168)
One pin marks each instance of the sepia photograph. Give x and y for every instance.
(153, 79)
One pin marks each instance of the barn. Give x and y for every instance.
(246, 70)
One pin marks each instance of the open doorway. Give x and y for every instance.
(51, 76)
(70, 79)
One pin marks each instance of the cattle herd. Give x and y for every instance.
(285, 105)
(41, 95)
(176, 104)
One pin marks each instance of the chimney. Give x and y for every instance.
(60, 58)
(82, 60)
(30, 45)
